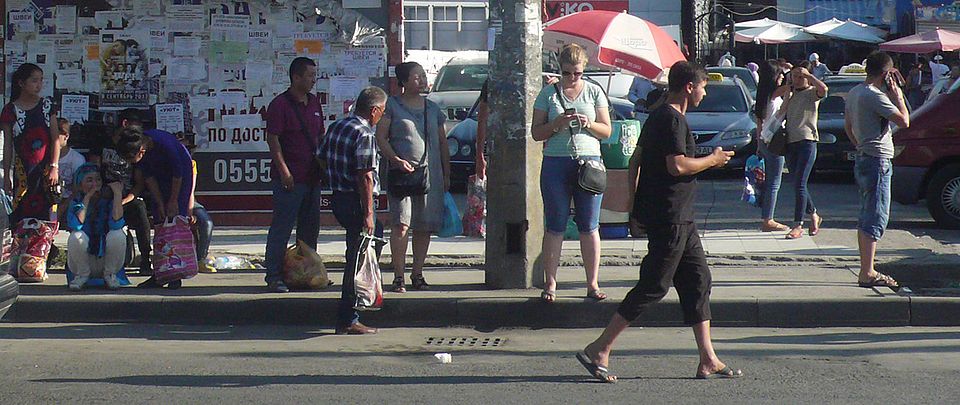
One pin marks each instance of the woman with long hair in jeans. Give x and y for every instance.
(769, 100)
(802, 138)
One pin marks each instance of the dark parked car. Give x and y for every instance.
(9, 289)
(927, 158)
(835, 152)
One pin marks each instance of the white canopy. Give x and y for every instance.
(779, 33)
(762, 23)
(847, 30)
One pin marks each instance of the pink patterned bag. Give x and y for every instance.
(174, 255)
(32, 239)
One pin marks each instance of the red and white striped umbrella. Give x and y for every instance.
(615, 39)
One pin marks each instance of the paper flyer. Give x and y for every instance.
(186, 46)
(186, 18)
(170, 117)
(70, 79)
(22, 22)
(66, 19)
(228, 52)
(346, 87)
(75, 108)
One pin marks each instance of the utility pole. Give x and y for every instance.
(514, 206)
(394, 40)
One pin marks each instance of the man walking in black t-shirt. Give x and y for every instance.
(664, 203)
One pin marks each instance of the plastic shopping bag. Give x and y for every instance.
(753, 177)
(174, 254)
(303, 268)
(367, 281)
(451, 218)
(32, 239)
(475, 215)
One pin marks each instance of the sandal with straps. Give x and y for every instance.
(880, 280)
(398, 285)
(418, 282)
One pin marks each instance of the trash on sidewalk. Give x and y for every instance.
(232, 263)
(444, 358)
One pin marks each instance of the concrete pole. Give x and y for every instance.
(514, 207)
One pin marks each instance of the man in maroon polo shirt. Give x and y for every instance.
(294, 127)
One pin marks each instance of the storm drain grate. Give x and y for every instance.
(465, 341)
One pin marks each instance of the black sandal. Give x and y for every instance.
(398, 285)
(418, 282)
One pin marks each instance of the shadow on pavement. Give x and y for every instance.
(240, 381)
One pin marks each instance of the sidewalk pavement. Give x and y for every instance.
(760, 280)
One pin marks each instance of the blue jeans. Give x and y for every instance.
(298, 207)
(203, 232)
(873, 176)
(801, 156)
(773, 168)
(558, 183)
(349, 213)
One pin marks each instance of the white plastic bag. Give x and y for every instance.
(367, 281)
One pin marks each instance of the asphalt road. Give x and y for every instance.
(51, 363)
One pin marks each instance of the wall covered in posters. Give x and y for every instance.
(217, 64)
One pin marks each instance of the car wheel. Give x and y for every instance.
(943, 197)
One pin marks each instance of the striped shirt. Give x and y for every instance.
(349, 146)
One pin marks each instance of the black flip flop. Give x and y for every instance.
(726, 372)
(598, 372)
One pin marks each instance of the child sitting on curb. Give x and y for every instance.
(97, 241)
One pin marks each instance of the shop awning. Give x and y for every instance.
(938, 40)
(848, 30)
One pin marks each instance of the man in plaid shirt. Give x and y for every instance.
(352, 159)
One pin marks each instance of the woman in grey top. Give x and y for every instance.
(410, 135)
(802, 137)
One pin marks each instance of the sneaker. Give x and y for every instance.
(277, 287)
(173, 285)
(78, 282)
(111, 282)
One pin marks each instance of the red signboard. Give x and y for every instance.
(560, 8)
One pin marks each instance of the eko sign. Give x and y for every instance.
(561, 8)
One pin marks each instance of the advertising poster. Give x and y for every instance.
(123, 71)
(555, 8)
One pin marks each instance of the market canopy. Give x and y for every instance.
(779, 33)
(848, 30)
(762, 23)
(938, 40)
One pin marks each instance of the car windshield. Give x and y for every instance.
(461, 78)
(722, 98)
(835, 102)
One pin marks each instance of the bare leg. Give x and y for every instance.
(709, 363)
(421, 244)
(599, 350)
(590, 252)
(552, 245)
(868, 250)
(398, 248)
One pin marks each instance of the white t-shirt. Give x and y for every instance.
(938, 70)
(68, 166)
